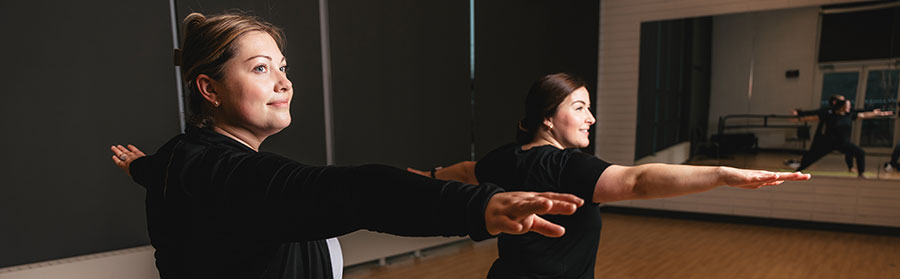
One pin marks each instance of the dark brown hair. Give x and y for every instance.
(208, 44)
(543, 98)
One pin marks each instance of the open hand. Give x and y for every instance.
(754, 179)
(123, 157)
(517, 212)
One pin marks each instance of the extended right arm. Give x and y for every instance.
(650, 181)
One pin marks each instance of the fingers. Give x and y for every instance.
(510, 226)
(758, 179)
(764, 176)
(422, 173)
(569, 198)
(530, 206)
(136, 151)
(546, 228)
(516, 212)
(797, 176)
(117, 161)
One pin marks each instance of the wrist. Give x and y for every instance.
(434, 170)
(721, 175)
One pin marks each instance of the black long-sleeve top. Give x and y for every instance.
(218, 209)
(833, 126)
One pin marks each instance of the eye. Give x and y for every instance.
(260, 69)
(579, 108)
(284, 69)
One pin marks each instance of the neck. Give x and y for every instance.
(240, 135)
(543, 137)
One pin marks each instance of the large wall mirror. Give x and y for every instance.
(724, 87)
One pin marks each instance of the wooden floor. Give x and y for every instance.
(649, 247)
(830, 165)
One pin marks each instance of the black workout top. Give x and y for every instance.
(833, 126)
(218, 209)
(547, 169)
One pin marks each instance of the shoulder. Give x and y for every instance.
(575, 161)
(497, 162)
(574, 155)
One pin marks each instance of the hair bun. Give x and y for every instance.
(192, 22)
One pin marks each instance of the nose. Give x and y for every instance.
(590, 119)
(283, 84)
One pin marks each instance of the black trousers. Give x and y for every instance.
(895, 156)
(823, 147)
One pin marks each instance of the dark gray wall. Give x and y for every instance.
(401, 81)
(519, 43)
(77, 78)
(83, 76)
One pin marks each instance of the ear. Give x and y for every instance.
(548, 122)
(206, 86)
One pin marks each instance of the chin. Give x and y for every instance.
(583, 144)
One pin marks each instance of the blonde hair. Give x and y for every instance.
(209, 43)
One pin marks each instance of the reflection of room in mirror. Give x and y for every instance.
(728, 84)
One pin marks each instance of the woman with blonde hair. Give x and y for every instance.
(218, 208)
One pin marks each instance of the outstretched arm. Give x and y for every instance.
(806, 116)
(874, 113)
(662, 180)
(463, 172)
(275, 194)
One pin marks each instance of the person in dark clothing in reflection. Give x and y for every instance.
(219, 208)
(895, 156)
(546, 157)
(835, 127)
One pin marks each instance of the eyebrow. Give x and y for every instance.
(265, 56)
(579, 101)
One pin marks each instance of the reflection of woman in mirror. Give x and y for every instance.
(218, 208)
(834, 134)
(893, 164)
(546, 157)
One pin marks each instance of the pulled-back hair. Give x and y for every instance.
(543, 99)
(834, 99)
(208, 44)
(839, 105)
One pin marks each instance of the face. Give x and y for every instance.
(255, 92)
(572, 120)
(846, 106)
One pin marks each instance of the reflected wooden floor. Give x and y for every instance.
(649, 247)
(830, 165)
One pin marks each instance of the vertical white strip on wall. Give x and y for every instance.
(750, 79)
(178, 87)
(472, 78)
(334, 247)
(326, 81)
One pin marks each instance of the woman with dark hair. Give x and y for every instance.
(833, 133)
(546, 157)
(218, 208)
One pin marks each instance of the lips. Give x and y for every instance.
(279, 102)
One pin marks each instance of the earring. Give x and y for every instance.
(216, 104)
